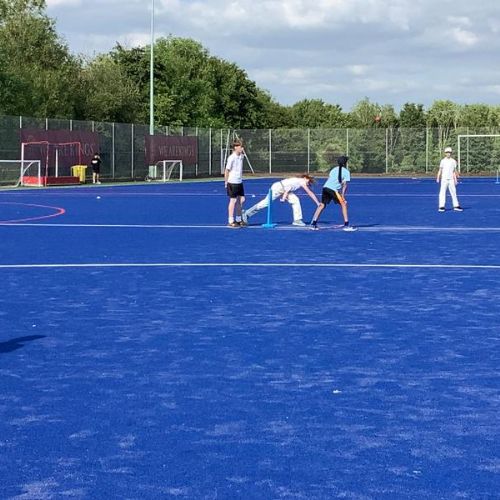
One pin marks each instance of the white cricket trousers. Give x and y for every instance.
(277, 190)
(450, 185)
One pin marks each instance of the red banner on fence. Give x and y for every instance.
(161, 147)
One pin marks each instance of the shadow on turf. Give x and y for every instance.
(15, 344)
(325, 225)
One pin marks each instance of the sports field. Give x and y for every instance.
(148, 351)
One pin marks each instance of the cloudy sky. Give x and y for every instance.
(391, 51)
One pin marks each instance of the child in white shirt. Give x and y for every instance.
(448, 176)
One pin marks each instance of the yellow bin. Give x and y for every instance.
(79, 171)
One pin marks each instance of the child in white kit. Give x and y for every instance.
(285, 190)
(448, 176)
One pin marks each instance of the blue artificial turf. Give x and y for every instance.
(238, 368)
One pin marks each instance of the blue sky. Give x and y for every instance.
(391, 51)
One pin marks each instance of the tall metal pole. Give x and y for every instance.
(151, 72)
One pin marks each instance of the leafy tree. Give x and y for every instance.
(191, 87)
(9, 8)
(234, 98)
(109, 94)
(11, 88)
(494, 116)
(363, 114)
(409, 154)
(314, 113)
(37, 62)
(273, 114)
(474, 115)
(367, 144)
(443, 117)
(412, 116)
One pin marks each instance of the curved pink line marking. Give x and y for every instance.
(59, 211)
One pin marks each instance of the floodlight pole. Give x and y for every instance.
(151, 71)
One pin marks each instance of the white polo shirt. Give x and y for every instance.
(447, 167)
(291, 184)
(235, 166)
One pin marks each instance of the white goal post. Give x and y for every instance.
(12, 172)
(470, 136)
(166, 170)
(51, 153)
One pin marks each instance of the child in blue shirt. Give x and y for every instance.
(334, 190)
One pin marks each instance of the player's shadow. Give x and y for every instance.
(17, 343)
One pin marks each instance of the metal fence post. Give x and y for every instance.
(270, 152)
(308, 150)
(196, 166)
(459, 158)
(426, 149)
(467, 164)
(386, 150)
(113, 150)
(221, 155)
(132, 149)
(347, 141)
(210, 151)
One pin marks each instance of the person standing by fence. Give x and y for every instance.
(95, 163)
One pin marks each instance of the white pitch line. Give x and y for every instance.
(248, 265)
(428, 228)
(223, 194)
(121, 226)
(374, 228)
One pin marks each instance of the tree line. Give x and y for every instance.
(40, 77)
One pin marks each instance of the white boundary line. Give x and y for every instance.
(248, 265)
(122, 226)
(370, 228)
(108, 194)
(428, 228)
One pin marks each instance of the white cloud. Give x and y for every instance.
(389, 50)
(461, 21)
(235, 15)
(58, 3)
(358, 69)
(463, 37)
(493, 88)
(494, 25)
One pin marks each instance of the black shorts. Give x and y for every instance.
(328, 195)
(96, 169)
(235, 190)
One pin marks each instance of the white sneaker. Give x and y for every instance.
(298, 223)
(350, 228)
(244, 216)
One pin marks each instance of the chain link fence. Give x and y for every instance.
(377, 150)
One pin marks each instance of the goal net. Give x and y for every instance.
(479, 153)
(165, 170)
(56, 158)
(12, 172)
